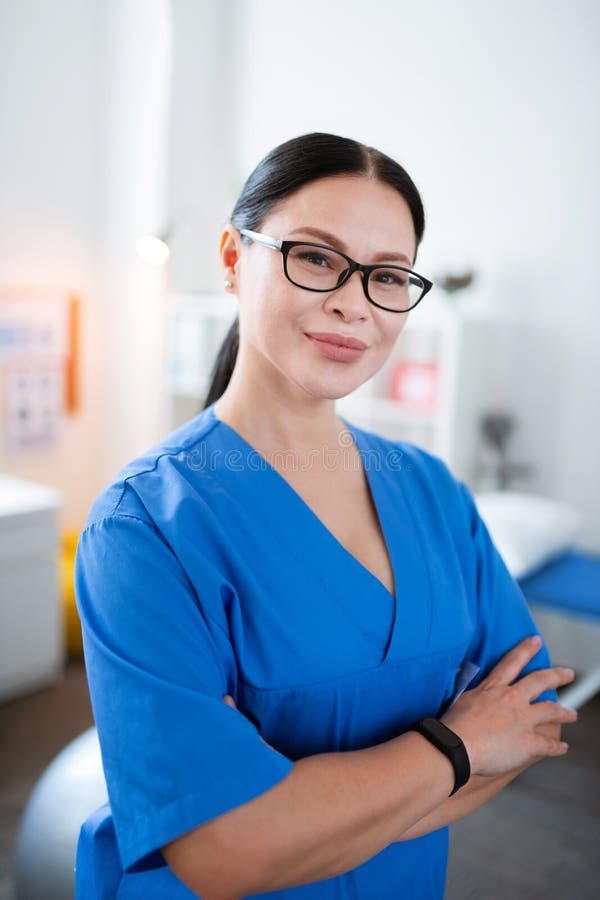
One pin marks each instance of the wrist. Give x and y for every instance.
(450, 744)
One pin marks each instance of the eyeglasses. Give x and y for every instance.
(317, 267)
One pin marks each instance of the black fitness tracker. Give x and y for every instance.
(450, 745)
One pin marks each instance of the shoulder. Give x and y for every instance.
(157, 469)
(423, 477)
(429, 471)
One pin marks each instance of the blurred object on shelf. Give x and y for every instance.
(67, 581)
(495, 471)
(452, 283)
(415, 384)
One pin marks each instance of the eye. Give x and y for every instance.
(313, 257)
(390, 277)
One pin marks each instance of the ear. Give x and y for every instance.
(229, 251)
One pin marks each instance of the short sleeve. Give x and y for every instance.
(174, 754)
(502, 615)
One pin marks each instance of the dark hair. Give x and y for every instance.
(285, 170)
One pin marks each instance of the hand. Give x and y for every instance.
(498, 722)
(228, 699)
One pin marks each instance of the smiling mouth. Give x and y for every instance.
(337, 340)
(336, 347)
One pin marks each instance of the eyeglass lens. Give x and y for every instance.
(319, 269)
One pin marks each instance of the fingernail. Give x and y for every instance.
(536, 639)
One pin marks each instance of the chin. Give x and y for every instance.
(328, 389)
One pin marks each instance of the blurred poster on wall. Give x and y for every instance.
(37, 348)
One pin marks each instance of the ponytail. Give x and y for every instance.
(224, 363)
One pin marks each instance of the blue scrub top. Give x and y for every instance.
(202, 572)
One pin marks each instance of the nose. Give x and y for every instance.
(349, 301)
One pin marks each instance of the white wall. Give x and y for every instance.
(494, 110)
(133, 113)
(48, 210)
(83, 91)
(202, 139)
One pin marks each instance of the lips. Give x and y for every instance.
(338, 340)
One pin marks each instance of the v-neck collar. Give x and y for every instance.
(356, 437)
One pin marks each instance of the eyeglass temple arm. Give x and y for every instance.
(261, 238)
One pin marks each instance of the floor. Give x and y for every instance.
(539, 839)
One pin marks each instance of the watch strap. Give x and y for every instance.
(449, 743)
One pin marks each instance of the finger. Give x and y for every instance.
(546, 746)
(534, 684)
(229, 701)
(548, 712)
(511, 664)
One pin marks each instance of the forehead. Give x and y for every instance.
(367, 215)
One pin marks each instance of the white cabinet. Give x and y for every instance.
(445, 372)
(31, 622)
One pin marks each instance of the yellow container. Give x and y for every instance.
(67, 581)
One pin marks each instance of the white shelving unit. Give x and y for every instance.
(461, 346)
(197, 325)
(460, 343)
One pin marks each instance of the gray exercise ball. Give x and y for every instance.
(71, 788)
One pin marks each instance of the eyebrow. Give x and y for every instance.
(336, 242)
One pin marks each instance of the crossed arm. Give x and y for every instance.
(334, 811)
(478, 791)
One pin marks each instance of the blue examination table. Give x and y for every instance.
(564, 597)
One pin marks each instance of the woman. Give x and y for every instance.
(280, 610)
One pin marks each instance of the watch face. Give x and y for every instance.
(443, 734)
(453, 740)
(451, 745)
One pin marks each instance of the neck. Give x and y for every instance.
(272, 412)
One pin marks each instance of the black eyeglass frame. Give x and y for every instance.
(285, 246)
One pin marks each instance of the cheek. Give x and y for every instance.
(272, 316)
(389, 333)
(390, 330)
